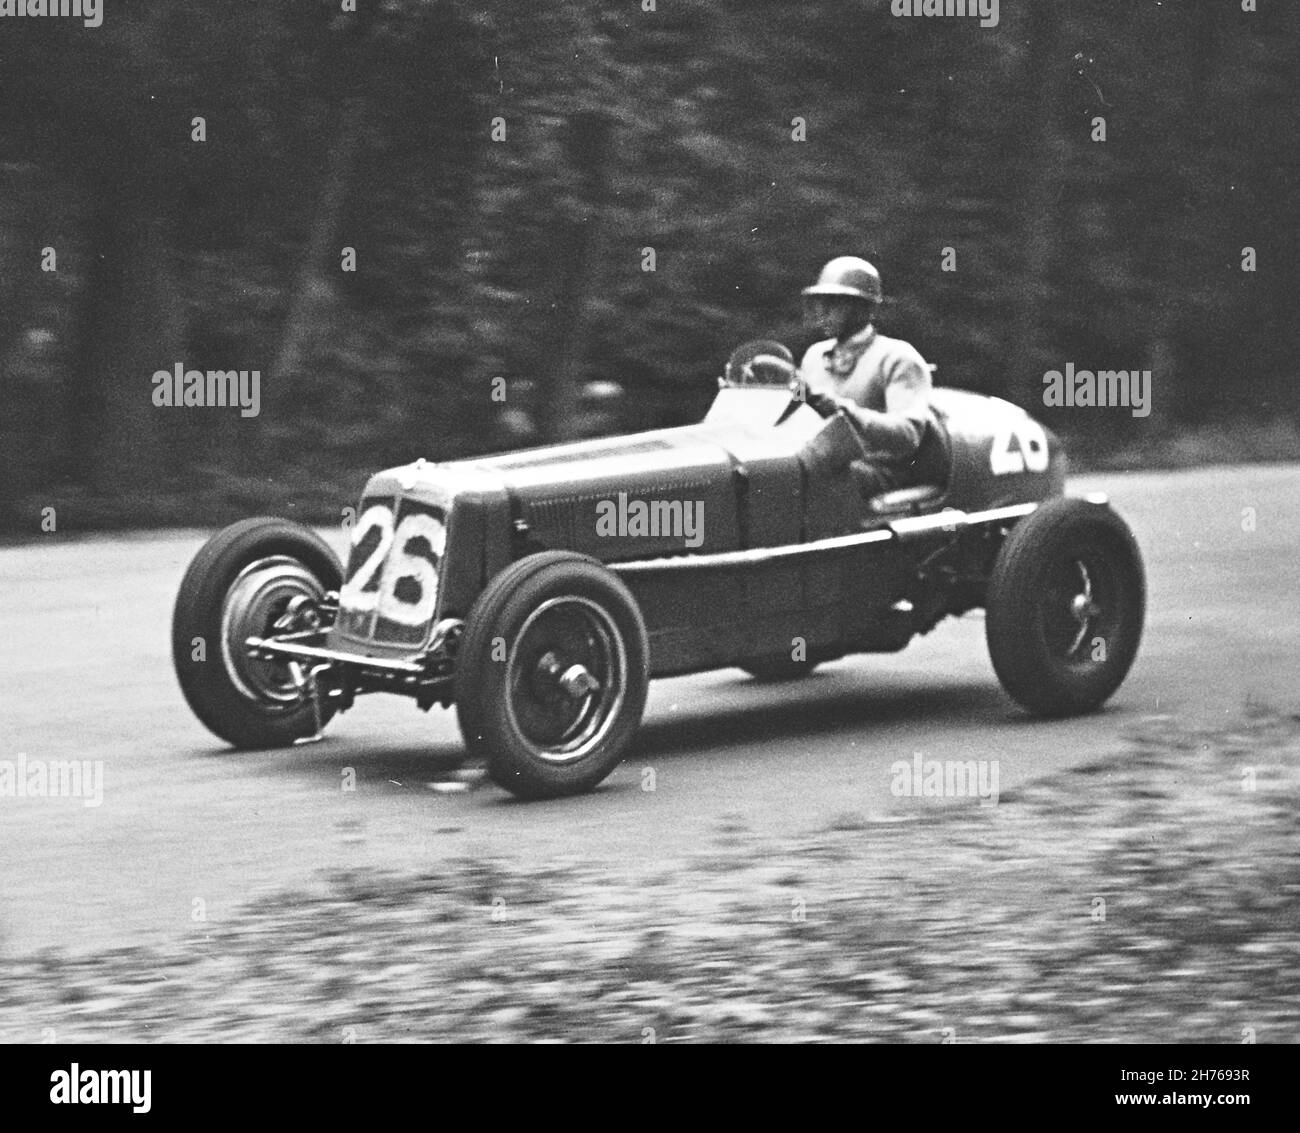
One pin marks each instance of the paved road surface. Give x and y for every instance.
(85, 674)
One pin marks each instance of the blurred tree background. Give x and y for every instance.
(501, 169)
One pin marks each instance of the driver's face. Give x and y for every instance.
(834, 316)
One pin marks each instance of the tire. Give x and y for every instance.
(236, 587)
(774, 669)
(1066, 603)
(538, 633)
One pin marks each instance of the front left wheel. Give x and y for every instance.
(552, 675)
(238, 586)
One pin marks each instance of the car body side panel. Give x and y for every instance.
(833, 601)
(770, 488)
(751, 485)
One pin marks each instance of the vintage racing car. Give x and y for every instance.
(540, 591)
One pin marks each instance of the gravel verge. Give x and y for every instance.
(1152, 897)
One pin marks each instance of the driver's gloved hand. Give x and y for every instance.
(821, 403)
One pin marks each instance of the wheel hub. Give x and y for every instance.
(568, 672)
(265, 593)
(1083, 610)
(578, 682)
(575, 681)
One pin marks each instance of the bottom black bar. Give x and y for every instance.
(169, 1084)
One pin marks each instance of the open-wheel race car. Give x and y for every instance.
(540, 591)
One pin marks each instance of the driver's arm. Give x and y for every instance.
(897, 432)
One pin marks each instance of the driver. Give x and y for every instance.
(882, 384)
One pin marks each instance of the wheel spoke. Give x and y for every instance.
(1083, 609)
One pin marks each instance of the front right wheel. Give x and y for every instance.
(1066, 604)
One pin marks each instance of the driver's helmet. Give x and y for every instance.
(850, 277)
(761, 363)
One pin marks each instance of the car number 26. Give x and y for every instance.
(1019, 446)
(393, 565)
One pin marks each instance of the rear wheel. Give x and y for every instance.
(552, 675)
(238, 586)
(1066, 604)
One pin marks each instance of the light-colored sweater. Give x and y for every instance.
(884, 384)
